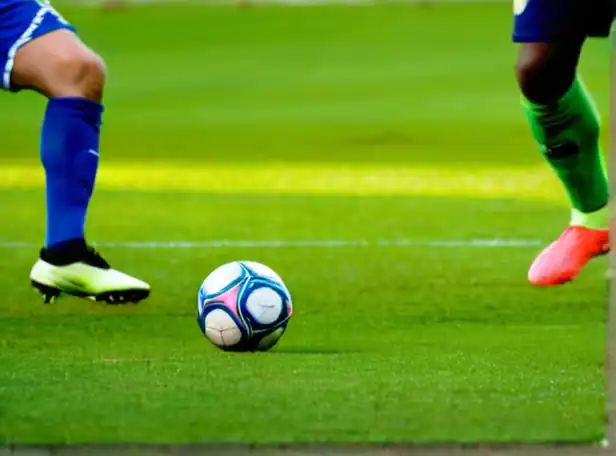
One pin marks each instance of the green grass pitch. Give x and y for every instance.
(307, 124)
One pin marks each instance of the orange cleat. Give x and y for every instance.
(563, 260)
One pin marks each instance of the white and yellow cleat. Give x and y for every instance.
(81, 271)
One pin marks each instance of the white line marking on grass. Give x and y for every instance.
(324, 243)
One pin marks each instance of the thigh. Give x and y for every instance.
(549, 21)
(600, 18)
(22, 21)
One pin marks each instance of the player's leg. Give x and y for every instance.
(565, 124)
(49, 58)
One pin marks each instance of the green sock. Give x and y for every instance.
(568, 134)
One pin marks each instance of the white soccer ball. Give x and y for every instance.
(243, 306)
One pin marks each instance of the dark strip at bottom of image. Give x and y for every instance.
(301, 450)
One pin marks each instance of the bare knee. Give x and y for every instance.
(546, 71)
(59, 65)
(78, 75)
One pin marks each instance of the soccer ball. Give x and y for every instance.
(243, 306)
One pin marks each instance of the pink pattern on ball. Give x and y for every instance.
(229, 299)
(290, 309)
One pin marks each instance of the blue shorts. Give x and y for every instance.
(22, 21)
(546, 21)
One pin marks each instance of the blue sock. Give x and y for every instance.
(69, 152)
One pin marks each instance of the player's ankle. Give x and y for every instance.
(595, 220)
(69, 244)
